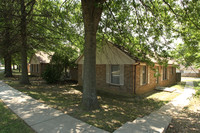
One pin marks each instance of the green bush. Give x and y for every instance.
(197, 94)
(197, 88)
(52, 74)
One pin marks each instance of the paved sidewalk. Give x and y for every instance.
(40, 117)
(158, 121)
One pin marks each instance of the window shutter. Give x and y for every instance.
(168, 73)
(108, 73)
(141, 77)
(121, 74)
(148, 71)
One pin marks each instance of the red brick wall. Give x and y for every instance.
(101, 79)
(128, 86)
(140, 89)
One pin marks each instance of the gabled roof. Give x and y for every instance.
(109, 54)
(124, 50)
(44, 57)
(130, 55)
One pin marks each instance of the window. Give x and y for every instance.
(157, 74)
(144, 75)
(115, 74)
(164, 73)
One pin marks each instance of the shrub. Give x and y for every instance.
(197, 94)
(52, 74)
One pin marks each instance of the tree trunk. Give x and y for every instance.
(8, 69)
(92, 11)
(24, 77)
(7, 44)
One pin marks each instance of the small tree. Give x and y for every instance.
(52, 73)
(63, 58)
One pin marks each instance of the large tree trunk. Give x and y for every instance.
(92, 11)
(7, 45)
(24, 77)
(8, 69)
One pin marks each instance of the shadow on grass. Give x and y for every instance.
(10, 123)
(115, 110)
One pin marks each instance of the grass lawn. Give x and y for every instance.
(197, 88)
(11, 123)
(115, 109)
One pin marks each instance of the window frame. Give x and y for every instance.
(117, 75)
(165, 74)
(157, 74)
(144, 73)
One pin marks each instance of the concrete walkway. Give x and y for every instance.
(40, 117)
(158, 121)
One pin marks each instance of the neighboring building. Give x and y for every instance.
(39, 61)
(119, 72)
(190, 71)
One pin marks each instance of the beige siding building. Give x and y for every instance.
(39, 61)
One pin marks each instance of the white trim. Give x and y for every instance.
(108, 75)
(141, 75)
(168, 73)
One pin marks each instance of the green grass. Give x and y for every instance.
(15, 73)
(11, 123)
(115, 109)
(166, 96)
(197, 88)
(180, 86)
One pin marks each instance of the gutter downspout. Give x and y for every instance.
(134, 90)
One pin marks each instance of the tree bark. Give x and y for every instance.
(24, 77)
(7, 44)
(92, 10)
(8, 69)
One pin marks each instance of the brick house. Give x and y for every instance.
(118, 72)
(38, 62)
